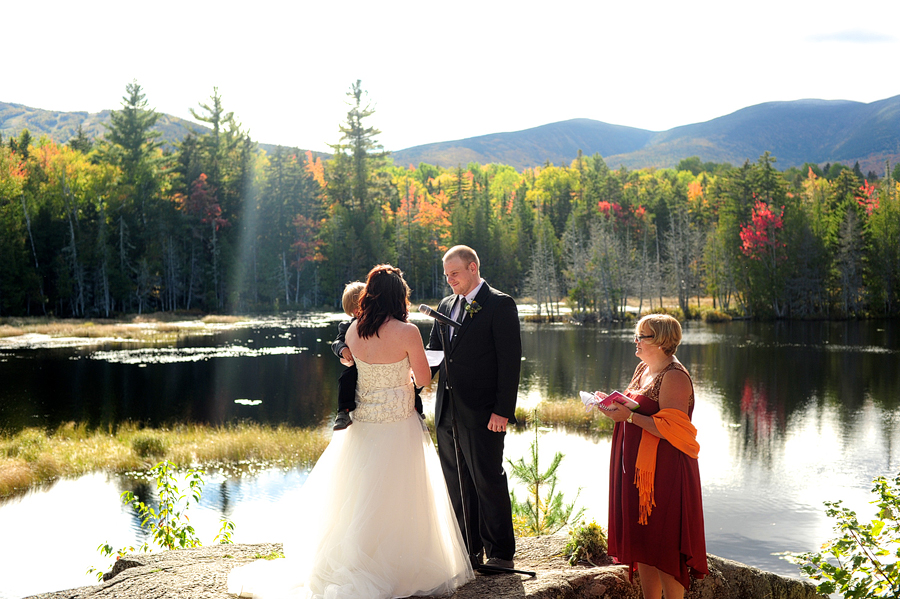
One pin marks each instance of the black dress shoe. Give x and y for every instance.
(342, 420)
(497, 562)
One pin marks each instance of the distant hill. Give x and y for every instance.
(816, 131)
(62, 126)
(795, 132)
(557, 143)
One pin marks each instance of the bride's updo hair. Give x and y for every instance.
(386, 295)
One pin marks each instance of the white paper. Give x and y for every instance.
(435, 357)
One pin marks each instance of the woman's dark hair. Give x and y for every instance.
(386, 294)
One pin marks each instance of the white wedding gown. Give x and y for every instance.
(374, 520)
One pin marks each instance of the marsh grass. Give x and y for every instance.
(10, 331)
(569, 415)
(34, 456)
(145, 327)
(220, 319)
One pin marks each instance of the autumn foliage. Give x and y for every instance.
(214, 222)
(759, 237)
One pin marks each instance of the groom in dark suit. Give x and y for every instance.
(481, 378)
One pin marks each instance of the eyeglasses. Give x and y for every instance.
(639, 338)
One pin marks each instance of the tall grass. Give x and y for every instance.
(569, 415)
(221, 319)
(34, 456)
(137, 327)
(10, 331)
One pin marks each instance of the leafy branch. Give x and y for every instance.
(168, 523)
(863, 562)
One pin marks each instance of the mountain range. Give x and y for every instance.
(816, 131)
(795, 132)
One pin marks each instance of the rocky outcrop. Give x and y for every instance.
(201, 574)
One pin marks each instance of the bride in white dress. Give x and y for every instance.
(375, 520)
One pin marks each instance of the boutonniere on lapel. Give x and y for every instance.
(473, 308)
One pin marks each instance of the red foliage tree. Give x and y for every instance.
(868, 198)
(203, 203)
(759, 236)
(306, 244)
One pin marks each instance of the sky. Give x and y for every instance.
(437, 71)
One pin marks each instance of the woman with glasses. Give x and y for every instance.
(655, 505)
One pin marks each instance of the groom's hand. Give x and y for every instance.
(497, 423)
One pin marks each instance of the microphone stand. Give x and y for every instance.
(445, 345)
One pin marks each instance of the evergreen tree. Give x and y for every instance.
(134, 146)
(81, 142)
(21, 146)
(216, 117)
(355, 197)
(133, 142)
(361, 144)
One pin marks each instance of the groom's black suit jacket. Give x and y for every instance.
(483, 362)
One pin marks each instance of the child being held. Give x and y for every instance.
(347, 380)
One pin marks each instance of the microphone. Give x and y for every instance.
(438, 316)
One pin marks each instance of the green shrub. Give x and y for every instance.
(167, 525)
(149, 444)
(862, 562)
(673, 311)
(523, 417)
(715, 316)
(587, 542)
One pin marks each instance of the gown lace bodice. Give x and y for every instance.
(384, 392)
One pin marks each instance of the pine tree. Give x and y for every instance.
(215, 116)
(362, 146)
(131, 135)
(81, 142)
(133, 145)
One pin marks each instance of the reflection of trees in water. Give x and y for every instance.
(562, 360)
(795, 366)
(766, 372)
(143, 490)
(218, 496)
(769, 373)
(759, 417)
(299, 389)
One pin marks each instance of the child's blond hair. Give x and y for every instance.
(350, 298)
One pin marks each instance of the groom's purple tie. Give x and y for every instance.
(457, 313)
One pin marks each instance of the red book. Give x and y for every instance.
(590, 400)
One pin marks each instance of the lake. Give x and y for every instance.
(788, 414)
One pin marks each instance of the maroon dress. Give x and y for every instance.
(673, 538)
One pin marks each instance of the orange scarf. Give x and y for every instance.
(676, 428)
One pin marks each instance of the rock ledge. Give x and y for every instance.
(201, 573)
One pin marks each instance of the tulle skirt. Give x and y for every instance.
(374, 522)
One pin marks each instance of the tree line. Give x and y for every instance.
(125, 224)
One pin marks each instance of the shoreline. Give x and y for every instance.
(33, 457)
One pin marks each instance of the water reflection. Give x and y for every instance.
(172, 355)
(788, 415)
